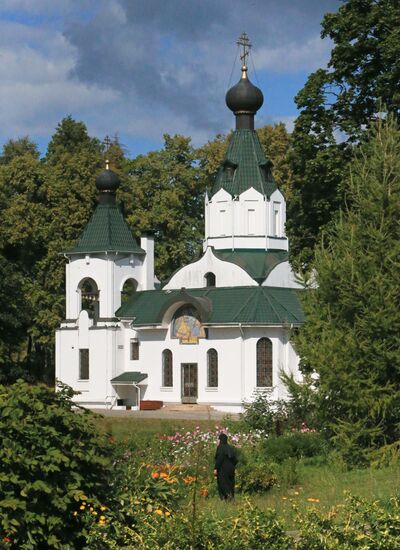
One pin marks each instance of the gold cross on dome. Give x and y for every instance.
(107, 144)
(245, 43)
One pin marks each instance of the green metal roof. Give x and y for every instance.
(129, 377)
(244, 166)
(257, 263)
(256, 305)
(107, 231)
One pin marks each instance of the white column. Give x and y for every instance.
(147, 243)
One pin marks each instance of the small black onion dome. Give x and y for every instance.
(107, 181)
(244, 97)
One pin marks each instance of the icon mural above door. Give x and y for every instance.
(187, 326)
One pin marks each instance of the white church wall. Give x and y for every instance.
(109, 273)
(250, 218)
(227, 343)
(279, 360)
(220, 214)
(226, 274)
(237, 364)
(282, 276)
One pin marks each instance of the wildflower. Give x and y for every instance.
(102, 518)
(102, 508)
(284, 498)
(296, 493)
(167, 513)
(75, 513)
(155, 475)
(81, 507)
(159, 512)
(163, 474)
(6, 539)
(313, 499)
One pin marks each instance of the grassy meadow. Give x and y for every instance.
(304, 485)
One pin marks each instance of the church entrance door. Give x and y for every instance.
(189, 382)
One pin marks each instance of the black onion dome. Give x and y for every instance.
(107, 181)
(244, 97)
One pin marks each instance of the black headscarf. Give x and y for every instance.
(223, 438)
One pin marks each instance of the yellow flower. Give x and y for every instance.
(75, 513)
(313, 499)
(296, 493)
(284, 498)
(94, 513)
(81, 507)
(102, 508)
(159, 512)
(102, 518)
(167, 514)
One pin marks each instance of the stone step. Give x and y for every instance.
(177, 407)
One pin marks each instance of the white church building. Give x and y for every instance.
(218, 331)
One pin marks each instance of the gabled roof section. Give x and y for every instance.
(257, 263)
(255, 305)
(107, 231)
(244, 166)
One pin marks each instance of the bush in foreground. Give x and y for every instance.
(53, 461)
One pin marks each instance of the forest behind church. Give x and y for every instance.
(46, 202)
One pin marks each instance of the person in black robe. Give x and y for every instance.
(225, 464)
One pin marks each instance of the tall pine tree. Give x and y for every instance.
(351, 337)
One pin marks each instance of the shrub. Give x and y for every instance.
(255, 477)
(358, 524)
(53, 461)
(266, 415)
(296, 445)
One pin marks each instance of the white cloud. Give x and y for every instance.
(35, 88)
(294, 56)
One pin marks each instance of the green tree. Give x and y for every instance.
(336, 103)
(22, 244)
(72, 162)
(14, 318)
(17, 148)
(164, 194)
(352, 334)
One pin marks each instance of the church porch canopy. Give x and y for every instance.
(129, 378)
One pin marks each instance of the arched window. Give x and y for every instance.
(90, 297)
(212, 368)
(209, 279)
(167, 380)
(128, 290)
(264, 363)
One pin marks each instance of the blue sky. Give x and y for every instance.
(142, 68)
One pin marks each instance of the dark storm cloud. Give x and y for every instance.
(175, 56)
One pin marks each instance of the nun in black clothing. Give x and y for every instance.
(225, 463)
